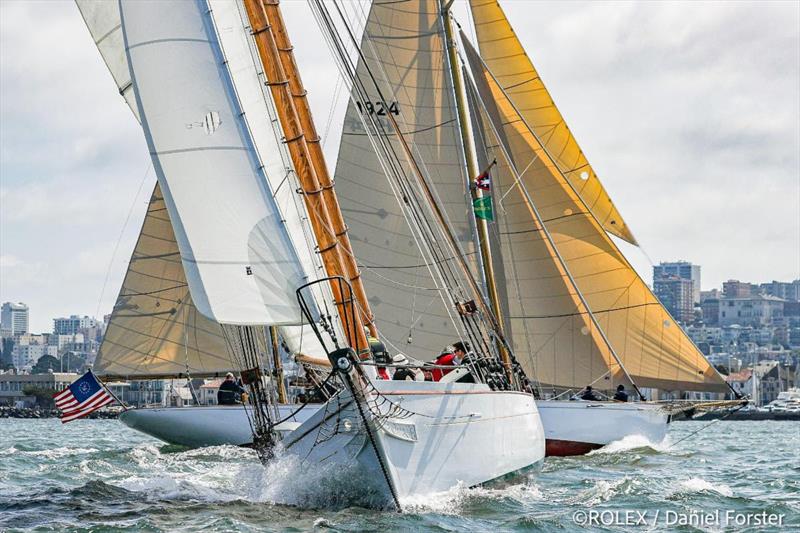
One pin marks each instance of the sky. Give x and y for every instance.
(688, 111)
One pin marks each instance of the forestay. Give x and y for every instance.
(654, 349)
(404, 48)
(505, 56)
(239, 261)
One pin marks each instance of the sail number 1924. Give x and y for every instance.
(378, 108)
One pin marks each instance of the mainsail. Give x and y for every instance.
(404, 48)
(239, 261)
(505, 56)
(651, 346)
(149, 340)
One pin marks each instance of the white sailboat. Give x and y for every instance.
(242, 265)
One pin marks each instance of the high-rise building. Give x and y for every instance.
(73, 324)
(14, 318)
(676, 294)
(679, 269)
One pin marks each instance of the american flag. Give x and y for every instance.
(483, 181)
(82, 397)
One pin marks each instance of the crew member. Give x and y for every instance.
(448, 357)
(380, 356)
(621, 395)
(229, 392)
(405, 372)
(589, 395)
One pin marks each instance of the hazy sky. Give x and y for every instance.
(688, 111)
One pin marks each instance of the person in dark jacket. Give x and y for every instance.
(229, 392)
(589, 395)
(621, 395)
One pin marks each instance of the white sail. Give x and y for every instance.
(239, 261)
(102, 19)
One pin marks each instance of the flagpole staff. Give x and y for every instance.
(120, 402)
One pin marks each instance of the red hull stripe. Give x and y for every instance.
(565, 448)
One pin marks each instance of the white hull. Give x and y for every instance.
(577, 427)
(451, 434)
(205, 426)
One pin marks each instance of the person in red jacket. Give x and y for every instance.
(450, 356)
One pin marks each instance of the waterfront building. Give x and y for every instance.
(679, 269)
(676, 295)
(13, 386)
(713, 294)
(14, 319)
(207, 393)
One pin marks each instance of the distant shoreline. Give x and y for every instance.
(743, 415)
(38, 414)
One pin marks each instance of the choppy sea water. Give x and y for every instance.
(99, 475)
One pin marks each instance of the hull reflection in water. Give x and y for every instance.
(578, 427)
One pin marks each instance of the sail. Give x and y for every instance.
(548, 326)
(155, 330)
(654, 350)
(505, 57)
(102, 19)
(239, 261)
(404, 48)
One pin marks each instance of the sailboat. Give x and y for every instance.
(243, 266)
(578, 313)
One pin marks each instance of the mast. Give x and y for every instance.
(277, 366)
(280, 82)
(471, 157)
(299, 94)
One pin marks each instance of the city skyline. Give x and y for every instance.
(693, 164)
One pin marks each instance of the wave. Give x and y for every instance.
(696, 484)
(633, 442)
(455, 500)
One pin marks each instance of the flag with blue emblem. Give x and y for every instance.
(82, 397)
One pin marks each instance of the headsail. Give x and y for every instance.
(404, 47)
(505, 56)
(155, 329)
(654, 349)
(240, 263)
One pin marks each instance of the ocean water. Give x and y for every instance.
(98, 475)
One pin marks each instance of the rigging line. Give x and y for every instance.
(331, 112)
(408, 193)
(381, 144)
(119, 238)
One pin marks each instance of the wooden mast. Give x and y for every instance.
(286, 52)
(323, 227)
(471, 157)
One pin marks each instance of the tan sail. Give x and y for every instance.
(155, 329)
(654, 349)
(505, 57)
(404, 47)
(550, 330)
